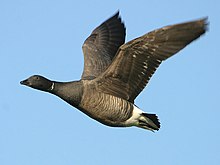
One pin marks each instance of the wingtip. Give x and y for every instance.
(117, 12)
(206, 23)
(203, 22)
(117, 15)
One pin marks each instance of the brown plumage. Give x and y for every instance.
(101, 46)
(137, 60)
(115, 73)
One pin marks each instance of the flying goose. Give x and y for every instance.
(115, 73)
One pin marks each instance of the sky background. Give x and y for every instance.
(45, 37)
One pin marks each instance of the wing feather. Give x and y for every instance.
(137, 60)
(101, 46)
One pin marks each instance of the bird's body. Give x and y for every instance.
(115, 73)
(105, 108)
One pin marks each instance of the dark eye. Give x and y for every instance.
(37, 78)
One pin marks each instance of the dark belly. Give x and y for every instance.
(106, 109)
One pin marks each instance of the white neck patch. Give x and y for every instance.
(52, 86)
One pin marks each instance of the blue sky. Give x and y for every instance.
(45, 37)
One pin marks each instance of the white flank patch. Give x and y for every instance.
(133, 120)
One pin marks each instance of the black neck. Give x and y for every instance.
(71, 92)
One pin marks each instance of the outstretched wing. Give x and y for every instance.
(137, 60)
(101, 46)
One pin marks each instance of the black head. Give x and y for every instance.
(38, 82)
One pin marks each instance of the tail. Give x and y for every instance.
(149, 121)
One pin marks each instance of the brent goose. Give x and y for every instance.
(115, 73)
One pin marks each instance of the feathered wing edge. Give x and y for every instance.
(137, 60)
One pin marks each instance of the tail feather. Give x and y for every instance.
(149, 121)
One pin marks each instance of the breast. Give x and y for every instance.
(105, 108)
